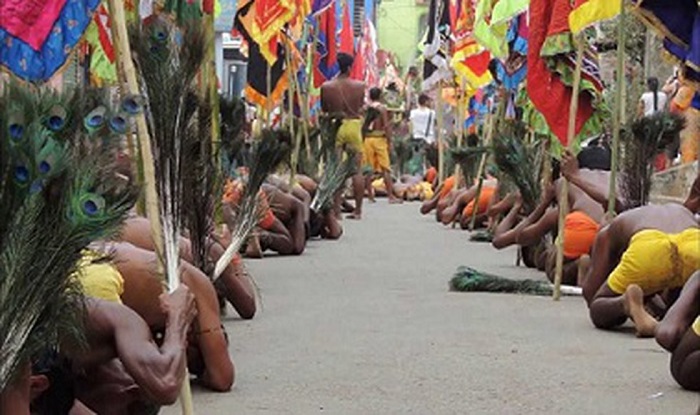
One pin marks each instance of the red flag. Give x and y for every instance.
(347, 42)
(328, 27)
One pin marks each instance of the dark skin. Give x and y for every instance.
(595, 183)
(142, 286)
(235, 286)
(674, 333)
(463, 198)
(346, 96)
(116, 331)
(607, 308)
(692, 203)
(383, 123)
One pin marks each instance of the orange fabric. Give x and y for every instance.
(447, 187)
(579, 234)
(268, 218)
(431, 175)
(484, 199)
(233, 190)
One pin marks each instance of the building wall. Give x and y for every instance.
(399, 29)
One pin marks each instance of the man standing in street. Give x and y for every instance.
(345, 97)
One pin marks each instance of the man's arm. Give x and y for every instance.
(158, 371)
(692, 203)
(570, 170)
(387, 124)
(604, 256)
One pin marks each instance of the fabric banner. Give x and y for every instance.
(39, 35)
(678, 22)
(259, 67)
(435, 65)
(589, 12)
(492, 23)
(548, 92)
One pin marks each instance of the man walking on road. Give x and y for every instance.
(344, 96)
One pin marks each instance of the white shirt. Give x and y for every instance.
(419, 121)
(648, 101)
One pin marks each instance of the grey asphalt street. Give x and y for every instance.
(366, 325)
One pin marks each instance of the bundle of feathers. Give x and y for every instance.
(58, 193)
(641, 143)
(469, 279)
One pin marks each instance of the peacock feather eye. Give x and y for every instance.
(16, 132)
(160, 34)
(92, 204)
(21, 174)
(132, 104)
(118, 124)
(95, 119)
(56, 119)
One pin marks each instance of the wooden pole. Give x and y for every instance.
(492, 125)
(618, 112)
(438, 135)
(291, 94)
(564, 196)
(116, 9)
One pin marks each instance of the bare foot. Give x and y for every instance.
(355, 216)
(633, 299)
(583, 264)
(254, 250)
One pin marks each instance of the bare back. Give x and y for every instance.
(343, 95)
(669, 218)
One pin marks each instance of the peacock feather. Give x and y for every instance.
(55, 199)
(469, 279)
(267, 153)
(520, 162)
(336, 167)
(168, 58)
(646, 138)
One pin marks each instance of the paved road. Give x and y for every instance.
(366, 325)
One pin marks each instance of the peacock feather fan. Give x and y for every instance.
(520, 162)
(54, 201)
(232, 145)
(336, 167)
(468, 160)
(646, 138)
(469, 279)
(168, 58)
(270, 150)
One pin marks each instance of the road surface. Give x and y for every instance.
(366, 325)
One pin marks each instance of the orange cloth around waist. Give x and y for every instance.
(233, 191)
(483, 205)
(579, 234)
(447, 187)
(268, 218)
(431, 175)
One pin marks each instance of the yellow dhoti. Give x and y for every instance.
(657, 261)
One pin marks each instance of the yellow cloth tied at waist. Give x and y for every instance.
(100, 279)
(696, 326)
(657, 261)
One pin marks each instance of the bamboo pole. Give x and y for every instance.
(438, 135)
(116, 9)
(291, 94)
(492, 125)
(618, 112)
(564, 196)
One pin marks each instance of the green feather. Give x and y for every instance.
(469, 279)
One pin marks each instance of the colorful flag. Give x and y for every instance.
(678, 23)
(435, 64)
(549, 68)
(589, 12)
(259, 67)
(492, 23)
(102, 55)
(471, 61)
(326, 54)
(347, 40)
(38, 36)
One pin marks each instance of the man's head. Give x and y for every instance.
(375, 94)
(52, 384)
(594, 158)
(423, 100)
(345, 62)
